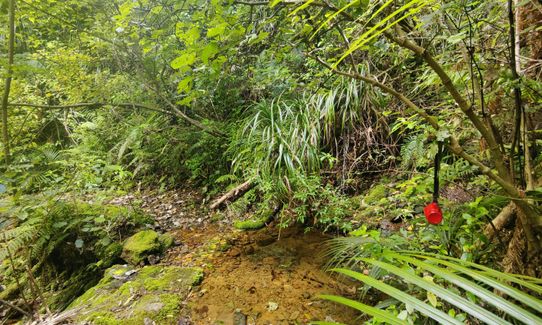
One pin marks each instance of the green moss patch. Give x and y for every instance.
(251, 224)
(139, 246)
(376, 194)
(166, 240)
(126, 295)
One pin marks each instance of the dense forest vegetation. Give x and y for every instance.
(271, 162)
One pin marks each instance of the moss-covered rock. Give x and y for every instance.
(263, 216)
(166, 240)
(126, 295)
(144, 243)
(375, 194)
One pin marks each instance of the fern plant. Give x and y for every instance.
(440, 287)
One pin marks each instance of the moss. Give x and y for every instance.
(263, 216)
(251, 224)
(166, 278)
(217, 216)
(375, 194)
(166, 240)
(160, 289)
(171, 305)
(139, 246)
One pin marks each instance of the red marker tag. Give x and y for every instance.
(433, 214)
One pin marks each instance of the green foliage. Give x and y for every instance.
(456, 290)
(62, 238)
(281, 139)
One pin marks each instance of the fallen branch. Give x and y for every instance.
(233, 194)
(12, 306)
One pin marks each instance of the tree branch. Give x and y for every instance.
(454, 145)
(96, 104)
(175, 112)
(498, 158)
(7, 84)
(12, 306)
(190, 120)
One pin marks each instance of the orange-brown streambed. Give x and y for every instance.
(270, 279)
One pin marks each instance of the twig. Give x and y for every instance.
(12, 306)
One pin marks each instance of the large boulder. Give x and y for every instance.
(127, 295)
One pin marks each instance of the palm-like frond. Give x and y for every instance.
(492, 287)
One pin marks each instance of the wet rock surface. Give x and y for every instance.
(267, 278)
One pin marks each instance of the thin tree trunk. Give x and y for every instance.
(505, 217)
(7, 84)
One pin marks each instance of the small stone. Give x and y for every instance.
(153, 259)
(130, 272)
(184, 321)
(154, 307)
(266, 241)
(234, 252)
(269, 260)
(272, 306)
(239, 318)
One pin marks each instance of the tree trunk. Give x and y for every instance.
(7, 84)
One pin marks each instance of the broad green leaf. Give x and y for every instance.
(190, 36)
(432, 298)
(488, 271)
(183, 60)
(185, 85)
(379, 314)
(217, 30)
(209, 51)
(491, 281)
(441, 292)
(404, 297)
